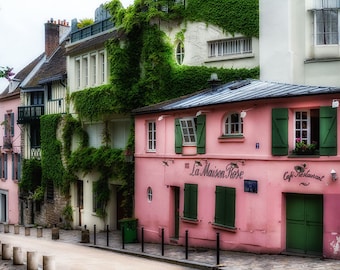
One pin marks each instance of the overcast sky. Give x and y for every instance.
(22, 26)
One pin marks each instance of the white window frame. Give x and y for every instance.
(78, 73)
(228, 47)
(232, 127)
(180, 53)
(326, 36)
(188, 128)
(151, 129)
(302, 126)
(93, 69)
(149, 194)
(85, 64)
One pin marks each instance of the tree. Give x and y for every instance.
(6, 72)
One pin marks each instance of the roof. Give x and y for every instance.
(237, 91)
(92, 43)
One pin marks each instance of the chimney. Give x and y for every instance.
(54, 32)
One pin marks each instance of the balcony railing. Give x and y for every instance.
(92, 30)
(7, 143)
(28, 114)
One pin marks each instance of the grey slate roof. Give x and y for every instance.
(237, 91)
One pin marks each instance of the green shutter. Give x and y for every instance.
(178, 137)
(225, 206)
(328, 131)
(12, 124)
(201, 134)
(190, 201)
(279, 131)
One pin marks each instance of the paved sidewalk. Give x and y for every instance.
(197, 258)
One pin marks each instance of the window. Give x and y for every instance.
(190, 131)
(228, 47)
(102, 67)
(190, 201)
(85, 71)
(317, 126)
(77, 73)
(149, 194)
(35, 134)
(225, 206)
(93, 65)
(16, 166)
(180, 53)
(9, 124)
(3, 166)
(97, 204)
(326, 27)
(233, 124)
(151, 136)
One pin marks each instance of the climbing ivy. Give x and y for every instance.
(51, 162)
(31, 176)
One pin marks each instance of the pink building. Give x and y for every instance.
(255, 162)
(10, 155)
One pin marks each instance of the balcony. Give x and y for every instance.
(7, 143)
(91, 30)
(28, 114)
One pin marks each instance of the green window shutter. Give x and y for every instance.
(178, 137)
(279, 131)
(201, 134)
(190, 201)
(12, 124)
(328, 131)
(225, 206)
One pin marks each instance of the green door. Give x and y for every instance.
(304, 214)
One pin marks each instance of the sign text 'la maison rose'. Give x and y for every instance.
(230, 171)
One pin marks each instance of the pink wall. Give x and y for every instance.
(260, 217)
(10, 186)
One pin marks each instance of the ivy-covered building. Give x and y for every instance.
(42, 85)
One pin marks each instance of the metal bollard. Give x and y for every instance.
(32, 260)
(162, 241)
(94, 234)
(186, 244)
(48, 263)
(107, 235)
(6, 252)
(18, 258)
(27, 231)
(217, 248)
(16, 229)
(142, 239)
(39, 232)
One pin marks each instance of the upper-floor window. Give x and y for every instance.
(180, 53)
(233, 124)
(326, 26)
(151, 136)
(93, 66)
(77, 73)
(9, 124)
(16, 166)
(229, 47)
(315, 126)
(190, 131)
(3, 166)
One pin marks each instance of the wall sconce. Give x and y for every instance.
(166, 162)
(243, 114)
(160, 118)
(198, 163)
(335, 103)
(233, 165)
(333, 174)
(201, 112)
(300, 168)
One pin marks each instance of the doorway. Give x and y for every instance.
(3, 206)
(80, 200)
(304, 221)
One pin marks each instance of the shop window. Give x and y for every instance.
(190, 201)
(225, 207)
(316, 126)
(233, 125)
(190, 131)
(151, 136)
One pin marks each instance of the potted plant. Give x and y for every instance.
(302, 148)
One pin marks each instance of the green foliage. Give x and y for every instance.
(94, 103)
(31, 175)
(73, 127)
(84, 23)
(51, 163)
(234, 16)
(38, 194)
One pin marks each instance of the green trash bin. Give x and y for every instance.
(129, 225)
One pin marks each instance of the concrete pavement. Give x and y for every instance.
(197, 258)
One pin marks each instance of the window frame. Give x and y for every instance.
(180, 53)
(326, 35)
(151, 136)
(229, 123)
(230, 47)
(189, 131)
